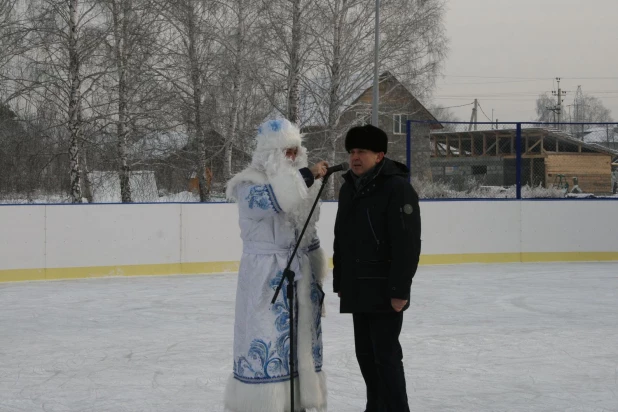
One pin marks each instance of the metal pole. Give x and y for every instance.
(518, 161)
(289, 275)
(409, 147)
(558, 109)
(290, 292)
(376, 68)
(476, 115)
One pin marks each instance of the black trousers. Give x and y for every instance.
(379, 355)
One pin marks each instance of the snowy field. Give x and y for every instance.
(517, 337)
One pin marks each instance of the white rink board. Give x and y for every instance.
(470, 227)
(109, 235)
(73, 236)
(22, 237)
(210, 233)
(577, 226)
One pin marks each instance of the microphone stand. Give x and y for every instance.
(289, 275)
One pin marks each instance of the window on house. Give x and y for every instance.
(400, 122)
(479, 170)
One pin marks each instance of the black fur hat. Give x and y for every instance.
(366, 137)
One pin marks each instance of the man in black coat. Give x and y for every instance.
(376, 252)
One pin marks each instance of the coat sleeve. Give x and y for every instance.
(404, 232)
(285, 192)
(257, 201)
(305, 172)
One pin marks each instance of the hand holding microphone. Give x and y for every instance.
(321, 169)
(341, 167)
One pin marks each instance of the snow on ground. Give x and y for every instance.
(517, 337)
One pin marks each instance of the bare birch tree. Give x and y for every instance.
(121, 18)
(285, 47)
(75, 83)
(211, 70)
(236, 50)
(344, 67)
(62, 39)
(187, 65)
(9, 37)
(413, 42)
(413, 45)
(130, 92)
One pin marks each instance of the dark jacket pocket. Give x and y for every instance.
(372, 284)
(373, 269)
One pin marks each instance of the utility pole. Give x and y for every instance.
(578, 104)
(376, 74)
(580, 111)
(558, 95)
(474, 116)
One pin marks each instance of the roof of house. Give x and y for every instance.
(388, 76)
(313, 118)
(546, 132)
(158, 145)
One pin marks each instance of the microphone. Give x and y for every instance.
(339, 168)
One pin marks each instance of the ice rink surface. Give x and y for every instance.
(516, 337)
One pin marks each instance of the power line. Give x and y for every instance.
(522, 94)
(499, 82)
(483, 111)
(452, 107)
(517, 94)
(602, 92)
(522, 99)
(591, 78)
(533, 78)
(500, 77)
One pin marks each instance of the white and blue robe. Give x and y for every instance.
(271, 215)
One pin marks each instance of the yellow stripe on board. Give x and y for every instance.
(17, 275)
(110, 271)
(569, 256)
(455, 259)
(209, 267)
(525, 257)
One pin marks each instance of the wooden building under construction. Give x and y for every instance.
(549, 157)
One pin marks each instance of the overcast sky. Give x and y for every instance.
(507, 52)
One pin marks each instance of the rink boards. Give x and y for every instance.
(40, 242)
